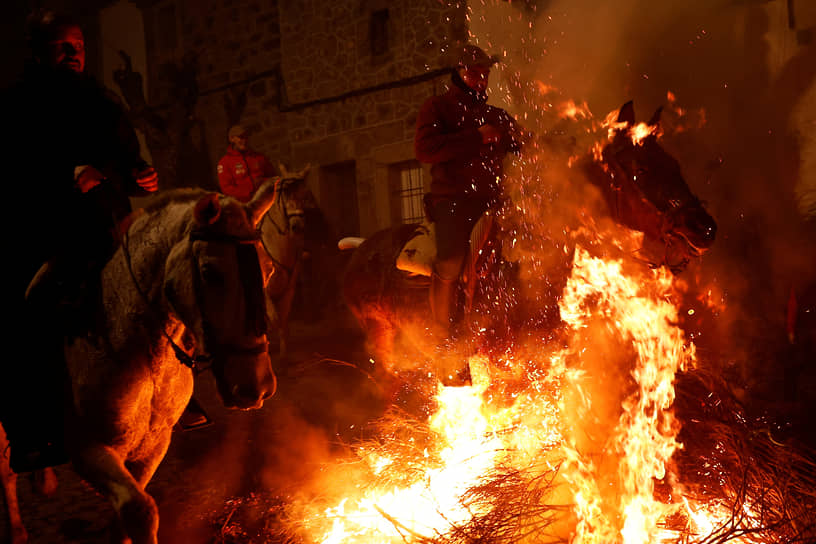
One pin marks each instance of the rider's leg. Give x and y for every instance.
(443, 291)
(453, 218)
(452, 233)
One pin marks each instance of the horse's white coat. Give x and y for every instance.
(128, 387)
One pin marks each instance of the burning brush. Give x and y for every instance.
(615, 435)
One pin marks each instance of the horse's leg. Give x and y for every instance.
(101, 467)
(9, 480)
(45, 481)
(284, 307)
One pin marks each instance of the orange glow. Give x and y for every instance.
(571, 110)
(594, 409)
(528, 418)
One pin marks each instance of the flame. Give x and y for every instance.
(518, 417)
(571, 110)
(595, 411)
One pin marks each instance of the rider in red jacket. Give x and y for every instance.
(242, 170)
(465, 140)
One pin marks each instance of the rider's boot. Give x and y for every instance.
(453, 371)
(443, 299)
(32, 410)
(194, 417)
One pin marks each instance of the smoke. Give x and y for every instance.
(737, 69)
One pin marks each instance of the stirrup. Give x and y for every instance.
(193, 417)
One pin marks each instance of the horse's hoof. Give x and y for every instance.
(46, 481)
(140, 519)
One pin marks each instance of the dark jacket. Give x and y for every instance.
(447, 136)
(53, 122)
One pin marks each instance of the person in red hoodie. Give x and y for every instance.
(242, 170)
(465, 140)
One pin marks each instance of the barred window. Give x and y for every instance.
(410, 190)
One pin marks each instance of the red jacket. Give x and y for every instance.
(447, 136)
(239, 174)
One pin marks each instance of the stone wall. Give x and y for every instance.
(324, 83)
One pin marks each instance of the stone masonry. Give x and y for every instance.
(281, 56)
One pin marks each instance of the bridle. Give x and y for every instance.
(283, 185)
(670, 211)
(204, 360)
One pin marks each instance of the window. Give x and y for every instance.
(409, 190)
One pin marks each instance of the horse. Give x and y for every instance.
(644, 190)
(182, 292)
(386, 282)
(283, 237)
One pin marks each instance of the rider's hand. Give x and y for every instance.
(88, 178)
(147, 178)
(490, 134)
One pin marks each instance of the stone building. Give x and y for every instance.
(336, 85)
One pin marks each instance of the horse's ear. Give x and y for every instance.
(655, 120)
(627, 113)
(207, 210)
(284, 172)
(261, 201)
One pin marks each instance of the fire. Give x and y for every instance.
(530, 419)
(644, 437)
(571, 110)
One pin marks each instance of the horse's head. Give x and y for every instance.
(213, 283)
(645, 189)
(294, 198)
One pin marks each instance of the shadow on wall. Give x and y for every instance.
(175, 136)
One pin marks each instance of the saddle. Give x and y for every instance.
(418, 255)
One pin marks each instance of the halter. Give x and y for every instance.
(201, 362)
(281, 187)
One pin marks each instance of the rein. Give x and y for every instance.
(198, 363)
(282, 184)
(280, 188)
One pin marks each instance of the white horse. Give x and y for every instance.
(185, 288)
(283, 232)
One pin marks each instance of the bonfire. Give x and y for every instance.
(615, 433)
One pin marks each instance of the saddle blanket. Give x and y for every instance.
(419, 253)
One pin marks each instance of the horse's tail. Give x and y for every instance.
(350, 242)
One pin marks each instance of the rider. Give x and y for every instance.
(73, 160)
(465, 140)
(242, 169)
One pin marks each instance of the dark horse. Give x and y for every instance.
(184, 289)
(641, 184)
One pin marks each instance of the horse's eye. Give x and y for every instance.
(212, 275)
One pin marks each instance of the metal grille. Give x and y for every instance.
(411, 190)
